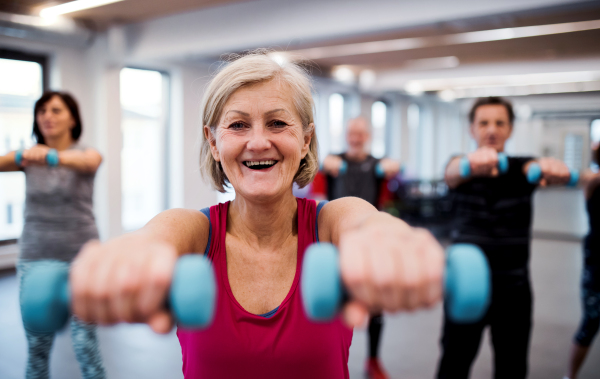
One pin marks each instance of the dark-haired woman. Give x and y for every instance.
(59, 219)
(590, 283)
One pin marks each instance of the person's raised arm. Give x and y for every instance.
(552, 171)
(385, 264)
(126, 279)
(482, 162)
(7, 162)
(390, 167)
(589, 181)
(85, 161)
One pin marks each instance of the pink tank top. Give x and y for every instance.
(240, 344)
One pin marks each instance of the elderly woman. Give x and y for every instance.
(259, 136)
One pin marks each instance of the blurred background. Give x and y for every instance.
(139, 68)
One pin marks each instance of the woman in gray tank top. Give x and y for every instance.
(59, 220)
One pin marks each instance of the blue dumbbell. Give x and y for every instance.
(379, 172)
(19, 157)
(466, 284)
(465, 165)
(51, 157)
(534, 175)
(46, 297)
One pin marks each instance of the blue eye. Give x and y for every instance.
(236, 125)
(278, 123)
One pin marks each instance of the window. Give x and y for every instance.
(413, 118)
(144, 103)
(336, 122)
(595, 139)
(21, 85)
(573, 151)
(379, 121)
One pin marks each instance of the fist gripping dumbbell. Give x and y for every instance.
(51, 157)
(466, 284)
(46, 294)
(465, 165)
(534, 175)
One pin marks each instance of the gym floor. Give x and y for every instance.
(410, 341)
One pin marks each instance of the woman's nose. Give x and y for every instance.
(259, 140)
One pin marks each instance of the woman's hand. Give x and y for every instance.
(124, 280)
(35, 155)
(387, 265)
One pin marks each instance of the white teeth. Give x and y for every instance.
(256, 163)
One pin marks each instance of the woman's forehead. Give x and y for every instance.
(262, 98)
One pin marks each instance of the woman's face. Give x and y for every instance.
(259, 140)
(54, 118)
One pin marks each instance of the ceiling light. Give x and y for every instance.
(344, 74)
(366, 79)
(447, 95)
(414, 88)
(73, 6)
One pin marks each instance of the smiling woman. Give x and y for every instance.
(259, 138)
(289, 92)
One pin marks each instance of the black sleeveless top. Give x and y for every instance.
(592, 240)
(494, 211)
(360, 180)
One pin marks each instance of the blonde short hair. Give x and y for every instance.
(254, 68)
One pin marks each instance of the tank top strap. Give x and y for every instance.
(218, 226)
(307, 222)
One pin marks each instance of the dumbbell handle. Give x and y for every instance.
(534, 175)
(466, 285)
(51, 157)
(46, 300)
(465, 165)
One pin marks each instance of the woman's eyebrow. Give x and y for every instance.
(240, 112)
(276, 111)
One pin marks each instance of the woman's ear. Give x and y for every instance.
(307, 139)
(212, 141)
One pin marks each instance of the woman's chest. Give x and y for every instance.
(260, 279)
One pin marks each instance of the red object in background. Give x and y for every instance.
(319, 189)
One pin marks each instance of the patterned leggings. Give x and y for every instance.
(590, 320)
(84, 339)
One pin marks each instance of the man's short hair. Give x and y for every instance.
(492, 100)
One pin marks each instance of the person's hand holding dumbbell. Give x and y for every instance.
(550, 171)
(484, 162)
(37, 155)
(332, 165)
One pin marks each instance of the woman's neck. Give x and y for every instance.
(62, 142)
(267, 223)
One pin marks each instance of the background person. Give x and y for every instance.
(494, 211)
(360, 180)
(58, 216)
(259, 138)
(590, 281)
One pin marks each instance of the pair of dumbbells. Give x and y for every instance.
(534, 172)
(51, 157)
(46, 294)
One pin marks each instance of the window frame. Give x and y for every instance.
(40, 59)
